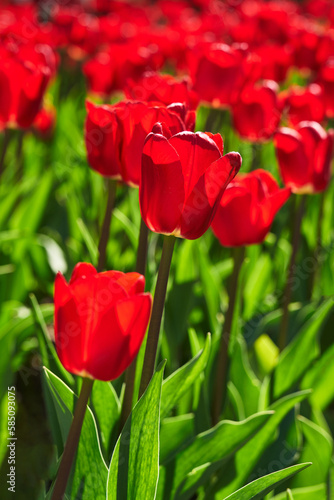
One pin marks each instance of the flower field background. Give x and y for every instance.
(98, 98)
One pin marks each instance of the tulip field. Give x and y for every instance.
(166, 250)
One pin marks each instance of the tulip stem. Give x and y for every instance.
(112, 184)
(157, 310)
(130, 374)
(219, 392)
(288, 285)
(72, 440)
(318, 242)
(5, 144)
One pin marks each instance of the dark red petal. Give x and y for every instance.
(161, 190)
(201, 205)
(196, 152)
(68, 327)
(118, 337)
(292, 159)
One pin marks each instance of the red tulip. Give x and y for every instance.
(182, 180)
(303, 104)
(115, 135)
(217, 71)
(304, 156)
(165, 89)
(24, 74)
(256, 111)
(110, 68)
(247, 209)
(100, 321)
(326, 81)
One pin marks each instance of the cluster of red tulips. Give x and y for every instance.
(157, 62)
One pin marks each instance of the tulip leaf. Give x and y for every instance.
(237, 471)
(299, 354)
(319, 378)
(89, 478)
(106, 407)
(243, 377)
(177, 384)
(134, 467)
(209, 447)
(318, 492)
(257, 489)
(318, 446)
(175, 431)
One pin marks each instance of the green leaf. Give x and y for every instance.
(257, 489)
(134, 467)
(177, 384)
(299, 354)
(318, 448)
(318, 492)
(213, 445)
(244, 379)
(89, 241)
(106, 407)
(319, 378)
(174, 432)
(89, 477)
(237, 471)
(289, 495)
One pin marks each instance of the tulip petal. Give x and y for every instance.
(200, 206)
(68, 327)
(133, 283)
(196, 152)
(120, 333)
(161, 190)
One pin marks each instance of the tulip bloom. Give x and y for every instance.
(247, 209)
(24, 74)
(256, 111)
(165, 89)
(326, 81)
(100, 321)
(217, 71)
(304, 157)
(303, 104)
(115, 135)
(182, 180)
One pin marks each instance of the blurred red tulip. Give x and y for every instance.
(100, 321)
(25, 72)
(217, 71)
(326, 81)
(165, 89)
(303, 104)
(256, 111)
(304, 157)
(110, 69)
(182, 180)
(247, 209)
(115, 135)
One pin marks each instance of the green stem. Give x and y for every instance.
(219, 392)
(5, 143)
(72, 441)
(288, 285)
(112, 184)
(130, 374)
(318, 242)
(157, 310)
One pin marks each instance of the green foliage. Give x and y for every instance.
(134, 467)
